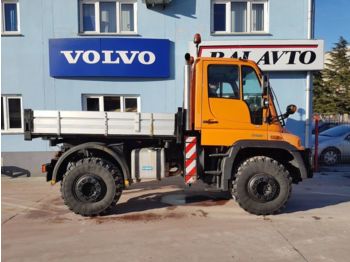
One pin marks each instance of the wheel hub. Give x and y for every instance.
(263, 188)
(330, 157)
(89, 188)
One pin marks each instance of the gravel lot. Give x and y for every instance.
(168, 222)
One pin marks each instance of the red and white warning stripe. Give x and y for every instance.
(190, 159)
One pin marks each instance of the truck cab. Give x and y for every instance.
(230, 104)
(243, 141)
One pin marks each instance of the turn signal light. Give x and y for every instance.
(43, 168)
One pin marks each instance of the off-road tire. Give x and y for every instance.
(105, 172)
(266, 168)
(70, 166)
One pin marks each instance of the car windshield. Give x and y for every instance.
(336, 131)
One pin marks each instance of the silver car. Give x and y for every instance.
(334, 145)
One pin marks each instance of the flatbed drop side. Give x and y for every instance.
(227, 134)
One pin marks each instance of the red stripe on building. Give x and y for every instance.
(252, 47)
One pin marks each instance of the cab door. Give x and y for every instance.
(231, 104)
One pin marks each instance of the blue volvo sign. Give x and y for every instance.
(118, 57)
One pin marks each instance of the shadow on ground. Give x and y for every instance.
(170, 200)
(326, 189)
(14, 171)
(342, 167)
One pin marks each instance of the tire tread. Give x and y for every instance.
(103, 165)
(254, 161)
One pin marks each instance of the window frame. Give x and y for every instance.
(101, 101)
(5, 110)
(249, 22)
(261, 122)
(97, 17)
(237, 85)
(3, 27)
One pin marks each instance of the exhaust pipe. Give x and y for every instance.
(187, 83)
(187, 92)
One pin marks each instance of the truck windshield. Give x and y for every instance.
(274, 98)
(252, 94)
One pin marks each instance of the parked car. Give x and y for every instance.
(334, 145)
(323, 126)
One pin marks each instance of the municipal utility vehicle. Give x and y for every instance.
(227, 134)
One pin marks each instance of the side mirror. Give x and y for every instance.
(265, 84)
(291, 109)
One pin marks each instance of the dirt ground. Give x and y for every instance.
(168, 222)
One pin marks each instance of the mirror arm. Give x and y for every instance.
(269, 120)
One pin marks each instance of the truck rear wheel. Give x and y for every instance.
(262, 186)
(91, 186)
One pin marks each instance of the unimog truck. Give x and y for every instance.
(228, 134)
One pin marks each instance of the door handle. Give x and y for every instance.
(210, 121)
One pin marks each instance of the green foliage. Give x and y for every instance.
(332, 85)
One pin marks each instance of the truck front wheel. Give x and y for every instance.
(262, 186)
(91, 186)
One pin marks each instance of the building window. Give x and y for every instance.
(11, 113)
(108, 16)
(241, 16)
(10, 17)
(111, 103)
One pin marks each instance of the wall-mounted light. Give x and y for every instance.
(151, 3)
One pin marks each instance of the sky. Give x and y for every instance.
(332, 21)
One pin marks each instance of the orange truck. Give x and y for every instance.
(227, 134)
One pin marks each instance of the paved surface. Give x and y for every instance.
(165, 222)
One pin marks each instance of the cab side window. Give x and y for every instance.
(252, 94)
(223, 81)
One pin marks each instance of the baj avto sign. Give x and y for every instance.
(270, 55)
(111, 57)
